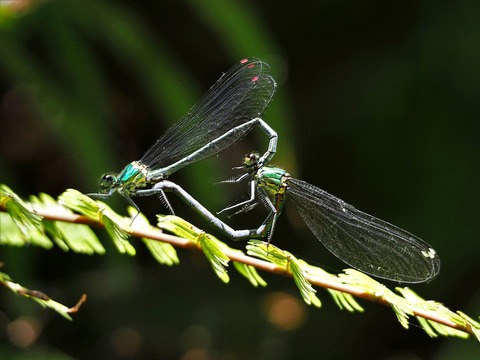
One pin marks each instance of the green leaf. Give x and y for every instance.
(117, 227)
(22, 213)
(289, 262)
(68, 236)
(250, 273)
(343, 300)
(214, 254)
(164, 253)
(472, 324)
(178, 226)
(211, 246)
(306, 289)
(82, 204)
(268, 252)
(13, 236)
(39, 297)
(365, 283)
(433, 328)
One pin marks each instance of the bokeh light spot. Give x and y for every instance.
(126, 342)
(285, 311)
(23, 332)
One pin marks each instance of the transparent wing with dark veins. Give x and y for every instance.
(361, 240)
(240, 95)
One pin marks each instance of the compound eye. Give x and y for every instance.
(251, 159)
(107, 182)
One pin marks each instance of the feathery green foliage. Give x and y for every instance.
(40, 297)
(26, 223)
(213, 248)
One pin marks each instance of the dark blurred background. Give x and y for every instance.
(377, 103)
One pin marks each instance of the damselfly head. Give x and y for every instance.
(107, 182)
(251, 159)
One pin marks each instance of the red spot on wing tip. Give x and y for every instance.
(249, 66)
(255, 78)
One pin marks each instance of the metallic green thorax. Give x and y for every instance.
(133, 177)
(275, 181)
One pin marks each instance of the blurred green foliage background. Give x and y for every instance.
(377, 103)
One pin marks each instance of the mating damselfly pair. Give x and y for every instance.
(229, 110)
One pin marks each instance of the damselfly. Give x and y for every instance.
(362, 241)
(228, 111)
